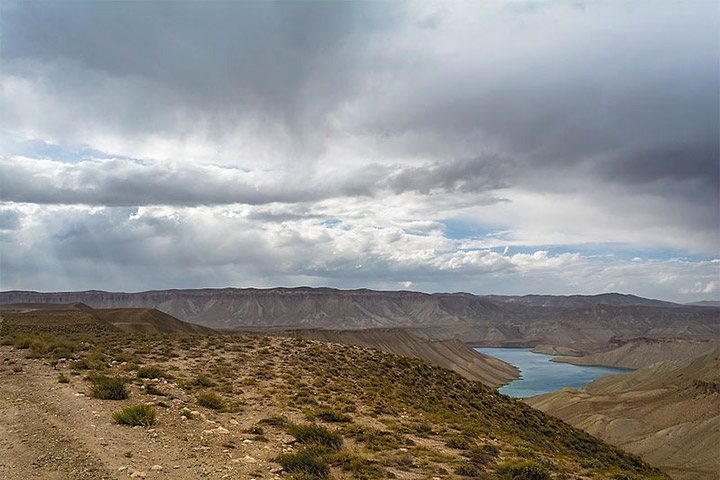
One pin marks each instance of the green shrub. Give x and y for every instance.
(316, 437)
(210, 400)
(63, 379)
(467, 469)
(483, 455)
(523, 470)
(459, 442)
(375, 440)
(274, 420)
(203, 381)
(330, 415)
(150, 372)
(361, 468)
(109, 388)
(143, 415)
(304, 464)
(187, 414)
(22, 343)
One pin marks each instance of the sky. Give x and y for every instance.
(500, 147)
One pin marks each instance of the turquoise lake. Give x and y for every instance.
(540, 375)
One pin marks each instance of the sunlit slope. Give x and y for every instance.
(667, 414)
(451, 354)
(641, 352)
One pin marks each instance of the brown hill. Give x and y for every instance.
(78, 317)
(59, 321)
(147, 320)
(667, 414)
(451, 354)
(643, 351)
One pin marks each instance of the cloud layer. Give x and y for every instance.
(340, 143)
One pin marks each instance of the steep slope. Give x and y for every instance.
(667, 414)
(348, 411)
(451, 354)
(597, 325)
(643, 351)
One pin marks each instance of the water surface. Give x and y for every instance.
(540, 375)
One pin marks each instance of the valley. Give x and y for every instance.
(670, 345)
(258, 406)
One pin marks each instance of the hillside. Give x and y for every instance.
(667, 414)
(565, 302)
(78, 317)
(451, 354)
(477, 320)
(147, 320)
(587, 328)
(261, 407)
(643, 351)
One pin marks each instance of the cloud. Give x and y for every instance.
(340, 142)
(119, 182)
(217, 246)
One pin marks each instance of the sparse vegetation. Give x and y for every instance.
(391, 414)
(142, 415)
(523, 470)
(304, 465)
(210, 400)
(150, 372)
(332, 416)
(316, 437)
(109, 388)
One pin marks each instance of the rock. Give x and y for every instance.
(120, 469)
(157, 468)
(138, 474)
(248, 459)
(234, 422)
(217, 431)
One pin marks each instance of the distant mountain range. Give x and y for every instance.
(576, 320)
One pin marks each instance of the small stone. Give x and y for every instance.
(138, 474)
(120, 469)
(249, 459)
(234, 422)
(176, 467)
(247, 441)
(156, 467)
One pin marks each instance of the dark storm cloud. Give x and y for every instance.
(277, 62)
(622, 91)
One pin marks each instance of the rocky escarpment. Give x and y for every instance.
(477, 320)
